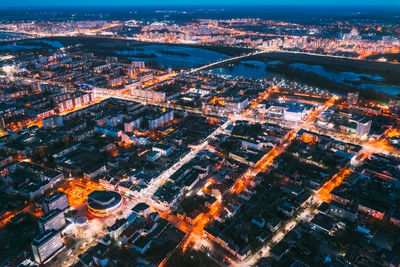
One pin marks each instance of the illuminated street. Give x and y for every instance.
(171, 135)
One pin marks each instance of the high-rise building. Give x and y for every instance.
(46, 246)
(57, 200)
(352, 98)
(55, 219)
(138, 64)
(363, 127)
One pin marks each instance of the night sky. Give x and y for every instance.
(49, 3)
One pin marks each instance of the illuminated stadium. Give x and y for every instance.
(102, 203)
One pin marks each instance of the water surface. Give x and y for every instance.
(184, 57)
(359, 80)
(249, 69)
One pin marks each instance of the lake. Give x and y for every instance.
(250, 69)
(18, 47)
(30, 45)
(173, 56)
(359, 80)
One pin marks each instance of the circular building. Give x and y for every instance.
(81, 226)
(102, 203)
(81, 220)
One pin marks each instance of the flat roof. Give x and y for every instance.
(102, 199)
(40, 239)
(140, 207)
(49, 215)
(54, 196)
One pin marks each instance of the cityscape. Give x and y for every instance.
(202, 134)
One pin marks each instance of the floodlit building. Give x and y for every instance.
(352, 98)
(57, 200)
(363, 127)
(165, 150)
(295, 113)
(55, 219)
(103, 203)
(236, 104)
(46, 246)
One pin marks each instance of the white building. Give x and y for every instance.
(55, 219)
(295, 113)
(363, 127)
(46, 246)
(57, 200)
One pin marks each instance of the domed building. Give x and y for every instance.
(102, 203)
(81, 226)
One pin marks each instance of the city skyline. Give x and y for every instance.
(202, 3)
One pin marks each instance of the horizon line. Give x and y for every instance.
(204, 6)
